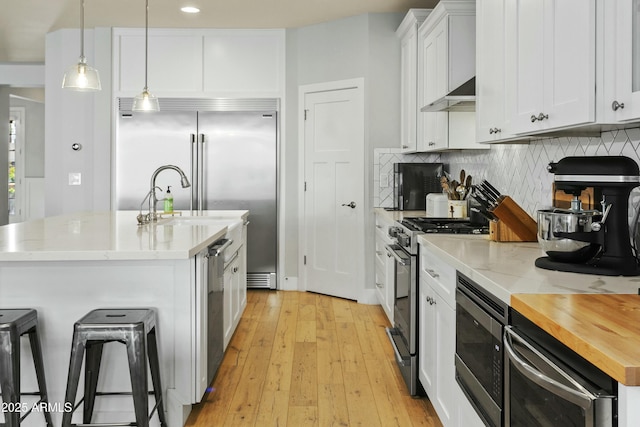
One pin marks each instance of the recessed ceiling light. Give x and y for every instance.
(190, 9)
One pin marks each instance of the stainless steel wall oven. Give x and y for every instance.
(547, 384)
(480, 319)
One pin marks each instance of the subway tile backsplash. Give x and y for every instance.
(519, 170)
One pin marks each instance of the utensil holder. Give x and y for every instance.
(514, 223)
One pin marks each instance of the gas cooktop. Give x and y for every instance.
(445, 225)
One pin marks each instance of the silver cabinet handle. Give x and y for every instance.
(496, 130)
(431, 144)
(432, 273)
(533, 118)
(379, 285)
(578, 396)
(431, 301)
(615, 105)
(405, 146)
(399, 259)
(542, 116)
(351, 205)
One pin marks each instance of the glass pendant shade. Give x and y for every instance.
(145, 102)
(82, 77)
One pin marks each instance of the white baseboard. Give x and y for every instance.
(368, 296)
(289, 284)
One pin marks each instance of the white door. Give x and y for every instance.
(333, 218)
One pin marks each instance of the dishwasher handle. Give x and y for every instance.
(219, 247)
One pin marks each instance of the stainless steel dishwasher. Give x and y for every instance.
(215, 309)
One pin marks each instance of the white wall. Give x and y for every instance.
(77, 117)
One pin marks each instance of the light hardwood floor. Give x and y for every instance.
(303, 359)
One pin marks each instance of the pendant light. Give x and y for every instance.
(146, 101)
(80, 76)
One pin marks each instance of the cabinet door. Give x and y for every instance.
(445, 348)
(175, 61)
(434, 59)
(627, 59)
(390, 271)
(569, 62)
(524, 67)
(435, 131)
(550, 64)
(490, 84)
(228, 305)
(408, 90)
(242, 276)
(427, 340)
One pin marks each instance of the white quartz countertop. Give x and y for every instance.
(114, 235)
(505, 268)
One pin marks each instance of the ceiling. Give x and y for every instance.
(24, 23)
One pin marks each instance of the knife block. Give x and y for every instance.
(514, 224)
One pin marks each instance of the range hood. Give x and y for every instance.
(462, 98)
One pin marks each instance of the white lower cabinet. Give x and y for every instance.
(437, 336)
(235, 293)
(384, 266)
(437, 342)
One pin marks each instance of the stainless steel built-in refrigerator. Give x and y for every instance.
(227, 148)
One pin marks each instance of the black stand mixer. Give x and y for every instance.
(591, 242)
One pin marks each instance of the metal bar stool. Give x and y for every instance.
(134, 327)
(13, 324)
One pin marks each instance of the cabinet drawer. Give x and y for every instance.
(440, 275)
(381, 253)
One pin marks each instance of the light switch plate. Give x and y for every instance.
(75, 178)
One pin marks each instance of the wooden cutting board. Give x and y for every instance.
(602, 328)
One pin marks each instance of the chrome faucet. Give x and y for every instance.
(153, 200)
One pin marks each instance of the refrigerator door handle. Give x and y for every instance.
(194, 184)
(201, 174)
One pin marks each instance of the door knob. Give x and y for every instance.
(352, 205)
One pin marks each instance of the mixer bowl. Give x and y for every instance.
(561, 248)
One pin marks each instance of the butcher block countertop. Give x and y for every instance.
(604, 329)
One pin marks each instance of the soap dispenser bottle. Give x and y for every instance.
(168, 201)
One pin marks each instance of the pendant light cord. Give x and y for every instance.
(82, 58)
(146, 43)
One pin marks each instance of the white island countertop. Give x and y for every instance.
(506, 268)
(114, 235)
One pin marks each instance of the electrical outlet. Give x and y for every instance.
(384, 180)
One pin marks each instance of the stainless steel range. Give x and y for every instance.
(404, 334)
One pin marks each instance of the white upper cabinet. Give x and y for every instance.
(550, 64)
(491, 118)
(407, 32)
(200, 62)
(446, 49)
(624, 104)
(446, 60)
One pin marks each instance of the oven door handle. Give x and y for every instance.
(578, 395)
(393, 251)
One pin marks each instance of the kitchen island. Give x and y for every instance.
(68, 265)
